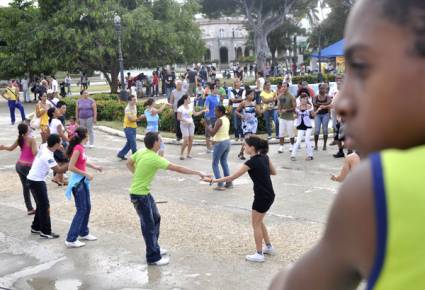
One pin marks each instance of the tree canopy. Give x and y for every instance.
(332, 28)
(263, 17)
(80, 35)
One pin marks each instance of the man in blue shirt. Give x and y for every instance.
(212, 101)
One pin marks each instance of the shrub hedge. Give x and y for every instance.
(311, 79)
(109, 108)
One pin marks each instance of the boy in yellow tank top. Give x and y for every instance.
(375, 228)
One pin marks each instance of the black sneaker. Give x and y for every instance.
(49, 236)
(339, 155)
(122, 157)
(35, 231)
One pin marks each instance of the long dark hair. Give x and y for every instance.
(22, 130)
(79, 135)
(181, 101)
(261, 146)
(51, 114)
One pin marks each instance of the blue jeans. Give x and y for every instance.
(79, 225)
(319, 121)
(220, 153)
(130, 134)
(150, 220)
(237, 124)
(268, 115)
(12, 107)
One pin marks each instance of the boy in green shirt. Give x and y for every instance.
(144, 164)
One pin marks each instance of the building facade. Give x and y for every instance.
(225, 38)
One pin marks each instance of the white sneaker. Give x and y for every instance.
(76, 244)
(163, 252)
(258, 258)
(280, 149)
(164, 261)
(89, 238)
(268, 250)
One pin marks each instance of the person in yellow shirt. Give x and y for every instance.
(41, 112)
(269, 99)
(130, 127)
(11, 94)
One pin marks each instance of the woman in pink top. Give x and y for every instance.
(77, 166)
(28, 147)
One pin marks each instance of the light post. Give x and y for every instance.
(123, 92)
(320, 56)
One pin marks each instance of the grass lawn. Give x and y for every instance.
(96, 88)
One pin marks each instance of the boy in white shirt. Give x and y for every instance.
(44, 161)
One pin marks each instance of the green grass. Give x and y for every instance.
(97, 88)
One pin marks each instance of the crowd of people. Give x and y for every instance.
(372, 231)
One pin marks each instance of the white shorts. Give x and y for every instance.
(187, 130)
(286, 128)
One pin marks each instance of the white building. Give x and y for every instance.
(225, 39)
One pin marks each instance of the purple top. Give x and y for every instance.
(85, 109)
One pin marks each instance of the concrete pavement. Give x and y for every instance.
(207, 233)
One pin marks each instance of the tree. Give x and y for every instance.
(282, 38)
(80, 35)
(21, 52)
(263, 17)
(331, 28)
(86, 37)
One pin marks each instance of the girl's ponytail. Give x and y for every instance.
(22, 130)
(79, 135)
(51, 114)
(261, 146)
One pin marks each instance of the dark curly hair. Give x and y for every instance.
(409, 14)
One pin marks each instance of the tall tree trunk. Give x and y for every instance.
(262, 49)
(112, 79)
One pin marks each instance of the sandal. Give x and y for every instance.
(57, 182)
(189, 157)
(219, 188)
(309, 158)
(181, 158)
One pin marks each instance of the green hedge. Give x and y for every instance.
(311, 79)
(109, 108)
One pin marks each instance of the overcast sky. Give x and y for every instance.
(4, 2)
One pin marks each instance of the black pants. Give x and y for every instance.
(23, 171)
(178, 130)
(42, 212)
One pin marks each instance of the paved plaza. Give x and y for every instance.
(207, 233)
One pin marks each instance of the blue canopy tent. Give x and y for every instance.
(334, 50)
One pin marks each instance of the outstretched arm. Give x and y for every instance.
(346, 252)
(9, 148)
(184, 170)
(242, 170)
(344, 172)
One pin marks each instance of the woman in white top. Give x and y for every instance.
(56, 127)
(187, 126)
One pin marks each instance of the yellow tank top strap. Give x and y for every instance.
(400, 211)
